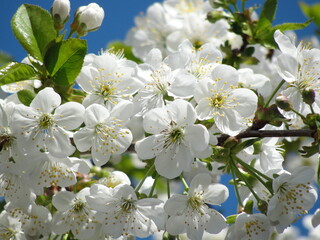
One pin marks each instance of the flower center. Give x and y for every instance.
(195, 202)
(6, 141)
(78, 206)
(127, 205)
(46, 121)
(217, 100)
(7, 233)
(176, 134)
(197, 44)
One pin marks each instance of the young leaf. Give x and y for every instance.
(267, 14)
(15, 72)
(34, 29)
(311, 11)
(26, 96)
(64, 60)
(127, 50)
(291, 26)
(5, 58)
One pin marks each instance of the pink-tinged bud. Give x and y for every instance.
(309, 96)
(283, 103)
(60, 12)
(87, 19)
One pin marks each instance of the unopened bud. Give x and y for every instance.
(283, 103)
(60, 12)
(87, 19)
(308, 96)
(263, 206)
(215, 16)
(248, 208)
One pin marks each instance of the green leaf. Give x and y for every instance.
(267, 14)
(127, 50)
(26, 96)
(291, 26)
(34, 29)
(64, 60)
(266, 36)
(5, 58)
(15, 72)
(311, 11)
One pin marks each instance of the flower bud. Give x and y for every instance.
(283, 103)
(215, 16)
(87, 19)
(308, 96)
(60, 12)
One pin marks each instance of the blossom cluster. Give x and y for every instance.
(172, 111)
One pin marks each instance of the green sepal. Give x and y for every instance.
(26, 96)
(34, 29)
(64, 60)
(15, 72)
(248, 208)
(231, 219)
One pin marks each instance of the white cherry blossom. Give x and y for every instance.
(74, 214)
(44, 125)
(293, 196)
(191, 214)
(122, 214)
(219, 98)
(250, 227)
(105, 132)
(176, 140)
(107, 79)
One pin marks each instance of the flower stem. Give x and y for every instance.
(252, 169)
(168, 188)
(248, 185)
(235, 184)
(186, 187)
(255, 173)
(153, 187)
(148, 173)
(274, 93)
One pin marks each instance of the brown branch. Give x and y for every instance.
(270, 133)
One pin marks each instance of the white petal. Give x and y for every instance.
(181, 112)
(246, 100)
(175, 225)
(123, 110)
(46, 100)
(216, 194)
(197, 136)
(83, 139)
(58, 143)
(156, 120)
(216, 223)
(63, 200)
(95, 114)
(287, 67)
(147, 147)
(176, 205)
(69, 115)
(285, 44)
(182, 85)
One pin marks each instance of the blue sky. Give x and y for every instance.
(119, 19)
